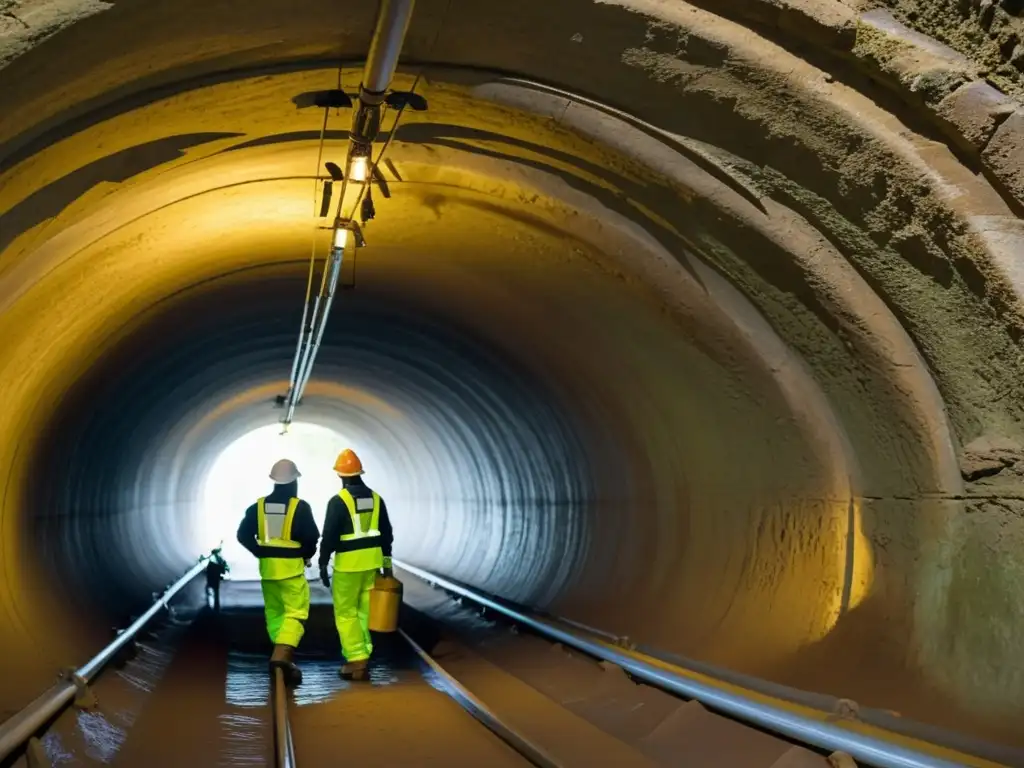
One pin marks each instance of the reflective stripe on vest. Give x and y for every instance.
(274, 529)
(360, 550)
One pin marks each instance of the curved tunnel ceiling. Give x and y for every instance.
(700, 341)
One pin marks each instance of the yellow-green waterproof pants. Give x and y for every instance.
(351, 591)
(286, 603)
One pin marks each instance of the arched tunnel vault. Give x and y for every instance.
(698, 368)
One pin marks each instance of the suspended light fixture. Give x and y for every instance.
(340, 237)
(359, 168)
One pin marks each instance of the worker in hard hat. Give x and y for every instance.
(357, 532)
(280, 530)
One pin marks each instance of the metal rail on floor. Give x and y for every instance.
(17, 730)
(284, 747)
(481, 712)
(823, 735)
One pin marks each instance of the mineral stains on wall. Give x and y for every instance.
(708, 313)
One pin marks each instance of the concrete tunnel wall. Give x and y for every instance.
(715, 344)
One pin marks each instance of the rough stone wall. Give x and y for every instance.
(24, 24)
(884, 219)
(990, 32)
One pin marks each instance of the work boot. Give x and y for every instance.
(282, 658)
(354, 670)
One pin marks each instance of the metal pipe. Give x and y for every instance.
(393, 20)
(284, 748)
(299, 347)
(385, 48)
(15, 731)
(307, 334)
(481, 712)
(833, 738)
(336, 259)
(295, 391)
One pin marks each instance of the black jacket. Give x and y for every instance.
(339, 523)
(304, 529)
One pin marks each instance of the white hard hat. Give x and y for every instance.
(284, 472)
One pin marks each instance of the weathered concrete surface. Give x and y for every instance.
(24, 24)
(707, 379)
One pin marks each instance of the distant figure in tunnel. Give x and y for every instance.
(280, 530)
(357, 532)
(215, 570)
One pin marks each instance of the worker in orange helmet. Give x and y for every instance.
(357, 532)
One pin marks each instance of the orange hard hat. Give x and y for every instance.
(348, 464)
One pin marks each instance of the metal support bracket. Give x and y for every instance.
(625, 642)
(841, 760)
(399, 99)
(35, 754)
(127, 654)
(84, 697)
(844, 709)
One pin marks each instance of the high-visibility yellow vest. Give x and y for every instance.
(275, 530)
(360, 550)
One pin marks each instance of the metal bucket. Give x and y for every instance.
(385, 601)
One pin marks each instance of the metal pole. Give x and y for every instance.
(834, 738)
(307, 369)
(293, 396)
(298, 351)
(385, 48)
(284, 749)
(481, 712)
(93, 667)
(381, 61)
(18, 729)
(21, 727)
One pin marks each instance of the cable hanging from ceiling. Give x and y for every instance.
(373, 103)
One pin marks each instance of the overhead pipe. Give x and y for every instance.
(316, 335)
(381, 63)
(385, 48)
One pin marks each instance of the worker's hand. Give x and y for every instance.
(325, 578)
(387, 563)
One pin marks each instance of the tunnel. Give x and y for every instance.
(696, 322)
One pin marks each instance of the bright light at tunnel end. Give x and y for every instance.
(240, 475)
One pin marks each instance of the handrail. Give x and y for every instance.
(833, 738)
(18, 729)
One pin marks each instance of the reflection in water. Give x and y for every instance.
(243, 722)
(55, 750)
(248, 682)
(145, 671)
(243, 741)
(248, 678)
(382, 672)
(319, 681)
(102, 737)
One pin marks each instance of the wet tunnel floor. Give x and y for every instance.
(212, 706)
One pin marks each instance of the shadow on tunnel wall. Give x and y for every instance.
(50, 200)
